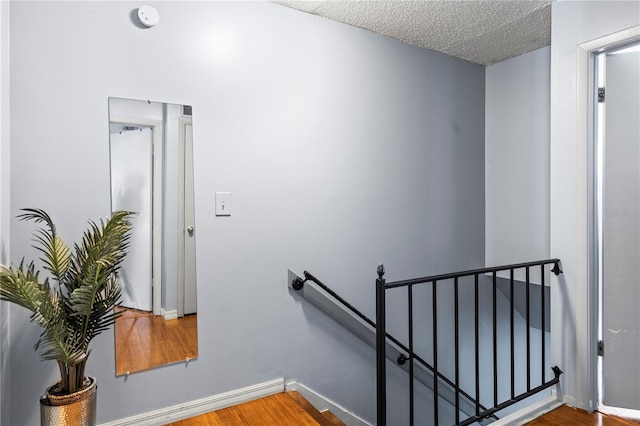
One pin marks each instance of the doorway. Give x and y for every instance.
(617, 221)
(132, 190)
(136, 173)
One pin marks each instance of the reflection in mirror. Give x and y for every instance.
(152, 174)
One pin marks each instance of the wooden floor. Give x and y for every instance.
(291, 409)
(283, 409)
(567, 416)
(144, 340)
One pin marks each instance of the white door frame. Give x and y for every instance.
(157, 130)
(586, 131)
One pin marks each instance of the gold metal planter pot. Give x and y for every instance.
(77, 409)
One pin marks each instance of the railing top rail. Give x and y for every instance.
(471, 272)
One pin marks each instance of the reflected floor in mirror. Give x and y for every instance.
(145, 341)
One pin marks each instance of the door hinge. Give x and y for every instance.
(600, 95)
(600, 348)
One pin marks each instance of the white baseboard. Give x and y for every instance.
(530, 412)
(322, 404)
(620, 412)
(169, 315)
(201, 406)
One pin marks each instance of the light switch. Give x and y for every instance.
(223, 204)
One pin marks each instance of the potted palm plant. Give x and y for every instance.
(73, 304)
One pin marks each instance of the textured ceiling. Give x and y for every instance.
(479, 31)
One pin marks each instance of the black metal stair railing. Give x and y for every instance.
(481, 412)
(298, 283)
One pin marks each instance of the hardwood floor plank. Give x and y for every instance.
(331, 419)
(145, 341)
(568, 416)
(281, 409)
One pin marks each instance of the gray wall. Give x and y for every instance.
(517, 160)
(517, 108)
(5, 379)
(341, 149)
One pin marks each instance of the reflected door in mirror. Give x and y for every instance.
(131, 179)
(152, 174)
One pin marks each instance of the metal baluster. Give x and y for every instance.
(411, 402)
(381, 374)
(542, 325)
(528, 335)
(435, 353)
(456, 349)
(513, 374)
(477, 348)
(495, 342)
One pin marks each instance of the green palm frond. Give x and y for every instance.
(56, 253)
(103, 246)
(21, 286)
(103, 315)
(83, 304)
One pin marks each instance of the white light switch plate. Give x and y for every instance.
(223, 204)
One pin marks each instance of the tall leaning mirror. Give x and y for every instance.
(152, 174)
